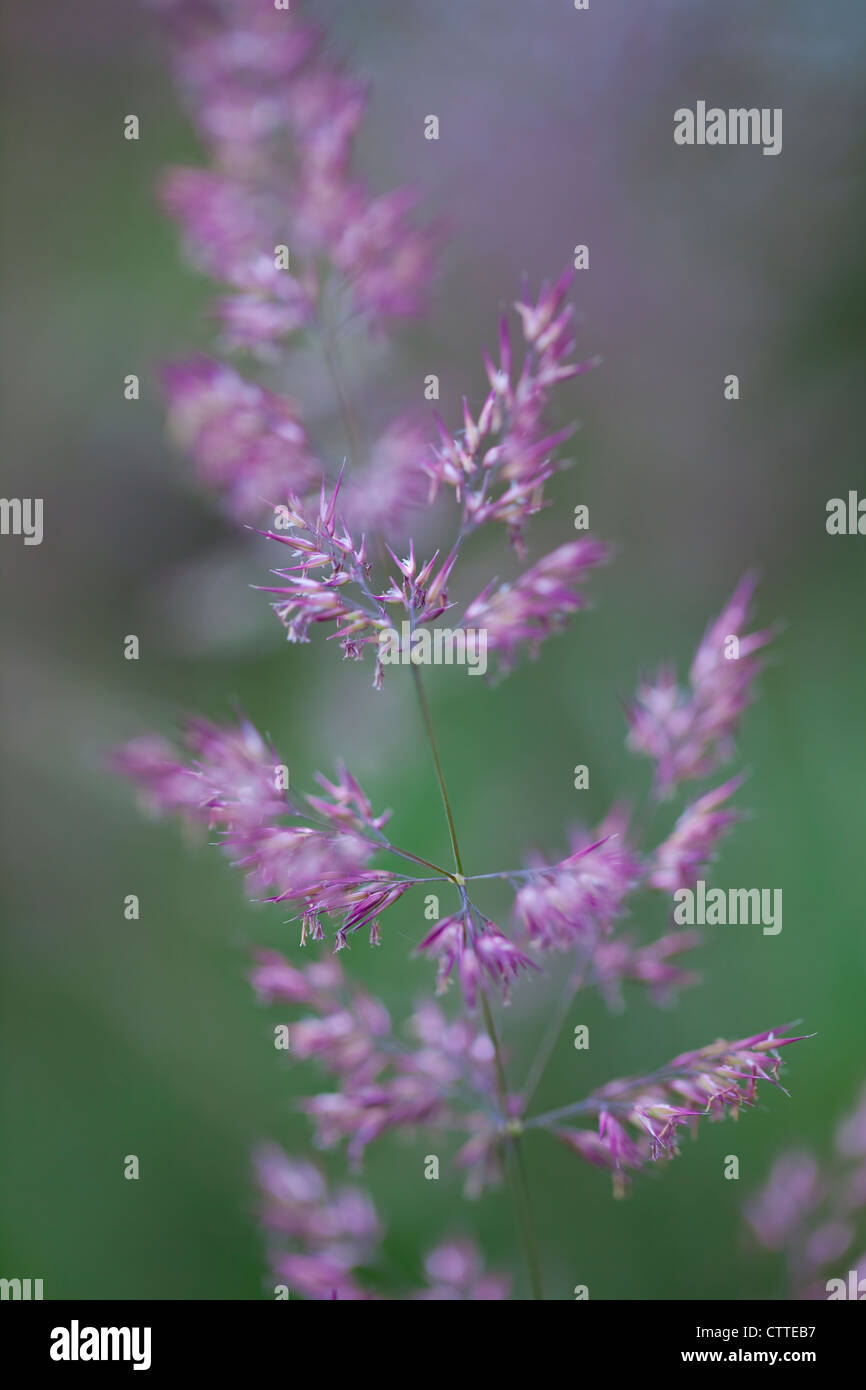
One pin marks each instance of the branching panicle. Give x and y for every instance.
(278, 120)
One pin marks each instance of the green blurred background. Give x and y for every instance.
(556, 128)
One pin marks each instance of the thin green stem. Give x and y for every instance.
(519, 1184)
(418, 859)
(557, 1022)
(379, 840)
(328, 337)
(347, 413)
(521, 1188)
(501, 1082)
(428, 725)
(625, 1100)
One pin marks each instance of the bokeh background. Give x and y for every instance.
(556, 128)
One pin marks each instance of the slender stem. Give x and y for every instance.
(500, 1068)
(417, 859)
(519, 1186)
(328, 336)
(347, 412)
(379, 840)
(522, 1202)
(548, 869)
(625, 1100)
(548, 1043)
(428, 725)
(557, 1022)
(578, 1107)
